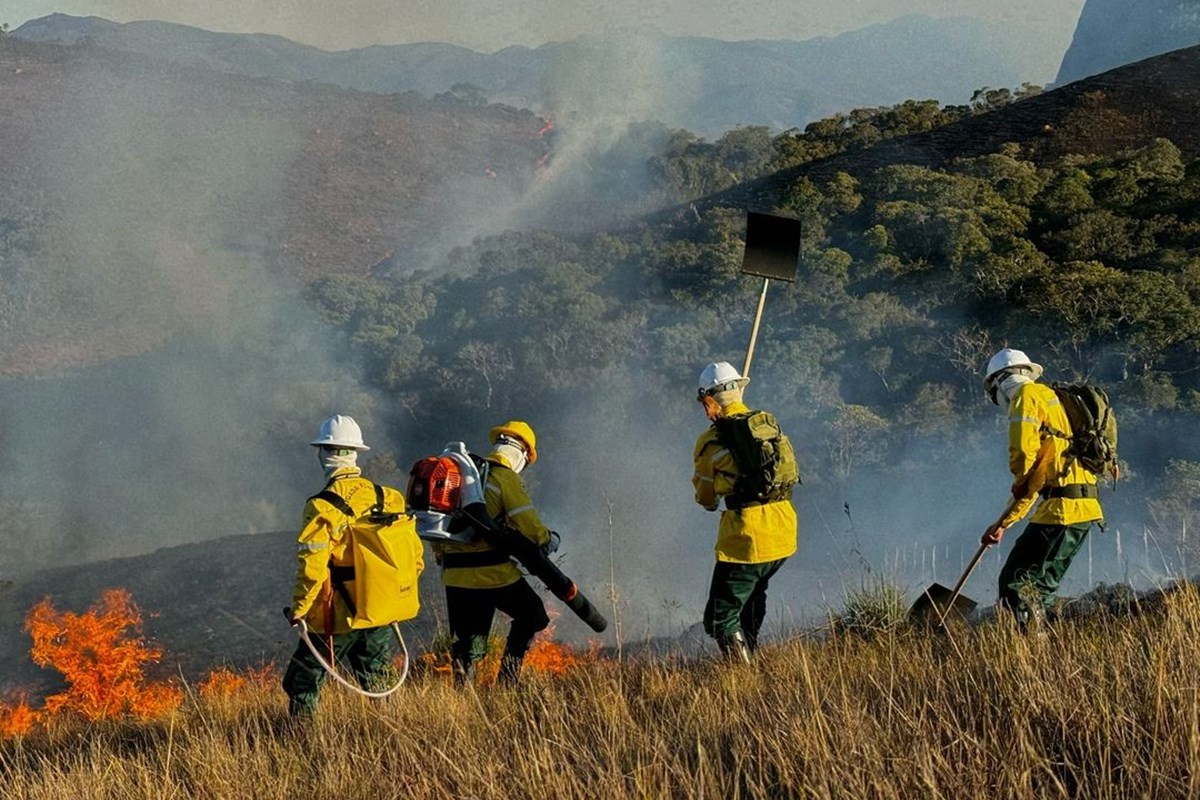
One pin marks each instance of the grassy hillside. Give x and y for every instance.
(1103, 708)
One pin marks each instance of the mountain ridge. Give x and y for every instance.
(793, 81)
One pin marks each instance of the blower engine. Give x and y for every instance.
(445, 495)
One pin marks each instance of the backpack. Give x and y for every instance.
(435, 493)
(1093, 439)
(767, 468)
(384, 549)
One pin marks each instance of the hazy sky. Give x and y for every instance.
(490, 25)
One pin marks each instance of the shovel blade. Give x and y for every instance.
(935, 602)
(772, 246)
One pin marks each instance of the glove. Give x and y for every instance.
(551, 545)
(993, 534)
(291, 618)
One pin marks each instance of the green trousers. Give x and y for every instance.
(1036, 566)
(367, 652)
(469, 614)
(737, 599)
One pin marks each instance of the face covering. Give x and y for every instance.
(334, 458)
(1008, 387)
(513, 454)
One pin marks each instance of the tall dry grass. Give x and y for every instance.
(1104, 708)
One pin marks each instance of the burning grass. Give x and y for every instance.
(1106, 707)
(101, 656)
(545, 657)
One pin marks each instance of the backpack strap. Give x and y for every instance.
(336, 500)
(741, 497)
(338, 575)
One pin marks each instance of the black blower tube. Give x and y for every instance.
(531, 557)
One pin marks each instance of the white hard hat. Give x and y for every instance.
(719, 376)
(1007, 359)
(340, 431)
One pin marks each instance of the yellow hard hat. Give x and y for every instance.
(520, 430)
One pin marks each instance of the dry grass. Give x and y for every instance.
(1104, 708)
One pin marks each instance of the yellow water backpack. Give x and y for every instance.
(381, 586)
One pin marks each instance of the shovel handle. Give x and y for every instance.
(762, 301)
(983, 547)
(958, 586)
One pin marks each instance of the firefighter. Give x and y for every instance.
(753, 538)
(325, 572)
(481, 580)
(1069, 503)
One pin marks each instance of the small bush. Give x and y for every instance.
(875, 608)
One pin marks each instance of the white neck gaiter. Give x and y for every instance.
(514, 455)
(332, 459)
(1008, 387)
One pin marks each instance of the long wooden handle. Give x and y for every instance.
(1030, 485)
(983, 547)
(762, 301)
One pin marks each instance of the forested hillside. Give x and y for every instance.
(1085, 252)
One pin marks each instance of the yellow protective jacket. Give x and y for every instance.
(1034, 408)
(508, 503)
(751, 535)
(323, 542)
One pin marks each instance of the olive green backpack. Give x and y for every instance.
(767, 468)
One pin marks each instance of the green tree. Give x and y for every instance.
(855, 438)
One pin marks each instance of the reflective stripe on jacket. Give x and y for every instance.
(751, 535)
(323, 541)
(1034, 407)
(509, 504)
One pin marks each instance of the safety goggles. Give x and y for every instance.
(721, 387)
(504, 438)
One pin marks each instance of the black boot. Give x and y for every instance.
(734, 647)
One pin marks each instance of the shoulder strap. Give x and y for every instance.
(336, 500)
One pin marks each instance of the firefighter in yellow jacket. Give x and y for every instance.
(1069, 503)
(325, 575)
(481, 580)
(753, 539)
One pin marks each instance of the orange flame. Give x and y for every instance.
(547, 126)
(17, 720)
(224, 682)
(101, 656)
(545, 656)
(554, 658)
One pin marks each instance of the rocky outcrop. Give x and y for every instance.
(1111, 33)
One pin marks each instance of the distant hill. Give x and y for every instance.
(1111, 33)
(1104, 114)
(138, 194)
(704, 85)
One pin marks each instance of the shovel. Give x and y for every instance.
(772, 251)
(945, 603)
